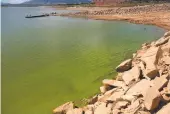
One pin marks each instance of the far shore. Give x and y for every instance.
(158, 14)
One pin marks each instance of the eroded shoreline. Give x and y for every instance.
(158, 15)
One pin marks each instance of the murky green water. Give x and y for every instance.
(48, 61)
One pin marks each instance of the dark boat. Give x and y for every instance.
(35, 16)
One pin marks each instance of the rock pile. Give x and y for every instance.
(142, 85)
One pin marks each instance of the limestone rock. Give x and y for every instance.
(152, 98)
(167, 34)
(116, 111)
(140, 87)
(164, 110)
(160, 82)
(113, 83)
(103, 89)
(161, 41)
(116, 95)
(132, 108)
(102, 109)
(124, 66)
(64, 108)
(131, 75)
(75, 111)
(166, 60)
(121, 104)
(151, 70)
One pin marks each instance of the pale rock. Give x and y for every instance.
(152, 98)
(140, 87)
(166, 60)
(116, 111)
(152, 55)
(168, 85)
(88, 112)
(103, 89)
(64, 108)
(132, 108)
(165, 109)
(121, 104)
(103, 98)
(124, 66)
(102, 109)
(116, 95)
(167, 34)
(151, 59)
(151, 70)
(75, 111)
(160, 82)
(113, 83)
(131, 75)
(161, 41)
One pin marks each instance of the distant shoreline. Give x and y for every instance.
(158, 14)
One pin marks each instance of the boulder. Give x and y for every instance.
(116, 95)
(131, 75)
(167, 34)
(102, 109)
(103, 98)
(165, 109)
(160, 82)
(64, 108)
(161, 41)
(152, 98)
(113, 83)
(151, 70)
(140, 87)
(124, 66)
(75, 111)
(152, 55)
(151, 59)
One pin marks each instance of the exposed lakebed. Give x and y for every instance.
(48, 61)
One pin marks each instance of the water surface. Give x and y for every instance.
(48, 61)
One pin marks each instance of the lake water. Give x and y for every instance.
(48, 61)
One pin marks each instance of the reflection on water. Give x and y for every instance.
(48, 61)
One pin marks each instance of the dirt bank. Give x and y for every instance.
(158, 15)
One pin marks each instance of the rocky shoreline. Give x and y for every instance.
(158, 14)
(142, 85)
